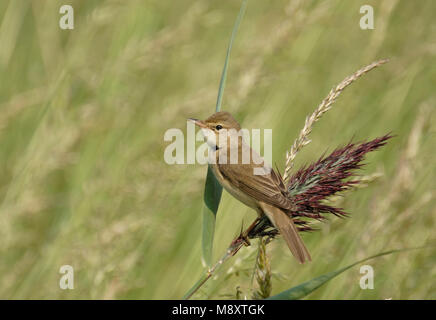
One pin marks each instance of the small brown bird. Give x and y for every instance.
(265, 193)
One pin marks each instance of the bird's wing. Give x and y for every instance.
(266, 187)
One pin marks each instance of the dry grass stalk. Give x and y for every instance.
(324, 106)
(262, 272)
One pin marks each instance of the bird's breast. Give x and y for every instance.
(233, 190)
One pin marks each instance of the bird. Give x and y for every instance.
(265, 192)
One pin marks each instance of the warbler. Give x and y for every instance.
(252, 182)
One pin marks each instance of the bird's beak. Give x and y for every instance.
(197, 122)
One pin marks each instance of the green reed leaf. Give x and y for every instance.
(213, 190)
(306, 288)
(212, 198)
(226, 62)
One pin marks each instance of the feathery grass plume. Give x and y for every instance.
(262, 273)
(361, 182)
(312, 185)
(326, 177)
(324, 106)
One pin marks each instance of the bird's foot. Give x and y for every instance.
(246, 240)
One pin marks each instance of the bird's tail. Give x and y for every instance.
(288, 230)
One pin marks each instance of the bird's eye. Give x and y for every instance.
(218, 127)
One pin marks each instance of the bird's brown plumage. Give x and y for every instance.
(265, 193)
(270, 194)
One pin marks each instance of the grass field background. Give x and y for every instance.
(83, 114)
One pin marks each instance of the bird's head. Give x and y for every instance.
(216, 125)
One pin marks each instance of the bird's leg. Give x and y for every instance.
(244, 235)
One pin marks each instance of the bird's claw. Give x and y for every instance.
(246, 241)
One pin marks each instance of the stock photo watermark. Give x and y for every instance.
(367, 20)
(367, 280)
(66, 21)
(227, 141)
(67, 280)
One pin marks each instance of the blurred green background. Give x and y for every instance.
(83, 113)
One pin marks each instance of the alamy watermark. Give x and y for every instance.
(227, 146)
(66, 21)
(67, 279)
(367, 280)
(367, 20)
